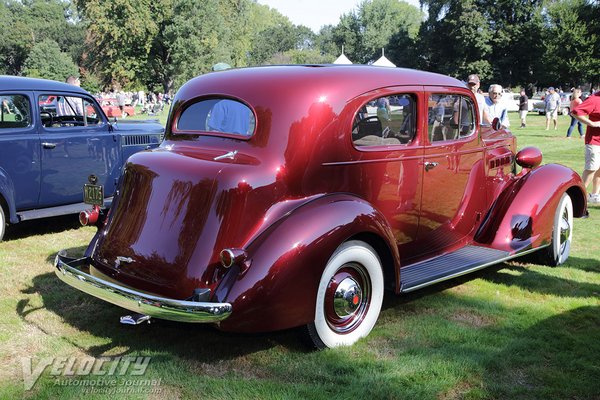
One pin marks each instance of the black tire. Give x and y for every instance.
(349, 297)
(562, 234)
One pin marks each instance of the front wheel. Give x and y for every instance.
(566, 111)
(349, 297)
(562, 234)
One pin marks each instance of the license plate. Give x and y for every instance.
(93, 194)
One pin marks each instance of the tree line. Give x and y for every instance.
(160, 44)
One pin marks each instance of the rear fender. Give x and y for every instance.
(7, 192)
(522, 217)
(278, 289)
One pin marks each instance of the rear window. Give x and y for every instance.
(14, 111)
(218, 115)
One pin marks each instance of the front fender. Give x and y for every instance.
(522, 217)
(278, 289)
(7, 192)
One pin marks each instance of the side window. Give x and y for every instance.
(450, 117)
(59, 111)
(388, 120)
(15, 111)
(218, 115)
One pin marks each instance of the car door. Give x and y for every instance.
(388, 155)
(453, 198)
(76, 142)
(19, 150)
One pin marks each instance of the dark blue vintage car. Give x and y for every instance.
(53, 136)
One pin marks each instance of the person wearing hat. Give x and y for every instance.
(552, 103)
(474, 83)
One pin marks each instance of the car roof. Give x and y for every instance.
(9, 83)
(351, 80)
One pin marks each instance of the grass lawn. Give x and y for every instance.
(513, 331)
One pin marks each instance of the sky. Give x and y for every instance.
(316, 13)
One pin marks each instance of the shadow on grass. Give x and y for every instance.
(198, 342)
(555, 358)
(533, 281)
(41, 226)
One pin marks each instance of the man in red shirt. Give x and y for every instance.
(588, 113)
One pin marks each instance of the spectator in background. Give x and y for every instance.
(121, 102)
(588, 113)
(494, 108)
(552, 103)
(523, 108)
(575, 101)
(474, 84)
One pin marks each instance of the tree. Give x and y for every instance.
(45, 60)
(119, 37)
(374, 25)
(25, 23)
(455, 39)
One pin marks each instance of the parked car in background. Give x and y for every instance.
(111, 108)
(287, 196)
(512, 101)
(565, 105)
(52, 137)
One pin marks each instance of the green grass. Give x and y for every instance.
(513, 331)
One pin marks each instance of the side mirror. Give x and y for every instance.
(496, 124)
(529, 157)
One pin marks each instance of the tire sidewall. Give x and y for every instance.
(2, 223)
(564, 203)
(350, 252)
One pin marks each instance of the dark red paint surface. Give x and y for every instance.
(298, 188)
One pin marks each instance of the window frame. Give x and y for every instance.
(231, 135)
(413, 93)
(471, 106)
(102, 121)
(30, 109)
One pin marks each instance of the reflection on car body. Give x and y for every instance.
(348, 180)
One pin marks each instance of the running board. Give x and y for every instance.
(460, 262)
(56, 211)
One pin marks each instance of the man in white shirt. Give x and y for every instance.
(494, 108)
(474, 83)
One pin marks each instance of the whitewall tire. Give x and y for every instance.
(562, 234)
(349, 297)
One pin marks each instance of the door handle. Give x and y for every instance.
(430, 165)
(47, 145)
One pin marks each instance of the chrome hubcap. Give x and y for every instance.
(347, 297)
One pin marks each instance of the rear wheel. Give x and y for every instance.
(562, 234)
(349, 297)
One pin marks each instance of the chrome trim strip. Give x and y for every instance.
(468, 271)
(159, 307)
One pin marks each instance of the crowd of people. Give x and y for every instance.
(151, 102)
(582, 112)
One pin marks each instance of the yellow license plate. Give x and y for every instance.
(93, 194)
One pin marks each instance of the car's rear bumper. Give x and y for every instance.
(71, 271)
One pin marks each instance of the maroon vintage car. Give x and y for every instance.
(289, 196)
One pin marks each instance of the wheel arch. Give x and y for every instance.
(278, 290)
(522, 217)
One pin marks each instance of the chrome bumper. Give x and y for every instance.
(70, 271)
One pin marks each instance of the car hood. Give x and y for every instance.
(126, 127)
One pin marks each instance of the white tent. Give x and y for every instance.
(342, 59)
(383, 61)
